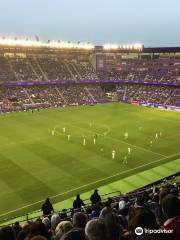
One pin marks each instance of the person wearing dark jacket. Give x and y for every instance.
(78, 202)
(47, 207)
(95, 197)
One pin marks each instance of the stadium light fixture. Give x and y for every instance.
(49, 44)
(136, 46)
(110, 46)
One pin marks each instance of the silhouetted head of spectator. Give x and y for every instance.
(143, 218)
(96, 191)
(78, 196)
(105, 211)
(79, 220)
(21, 235)
(55, 219)
(37, 228)
(47, 200)
(155, 198)
(145, 196)
(113, 228)
(62, 228)
(171, 206)
(26, 228)
(74, 234)
(46, 221)
(96, 230)
(39, 237)
(24, 232)
(7, 233)
(17, 228)
(139, 202)
(174, 191)
(162, 195)
(108, 202)
(63, 214)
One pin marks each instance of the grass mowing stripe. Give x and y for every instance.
(22, 191)
(124, 185)
(89, 184)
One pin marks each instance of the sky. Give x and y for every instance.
(151, 22)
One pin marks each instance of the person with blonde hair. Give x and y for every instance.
(62, 228)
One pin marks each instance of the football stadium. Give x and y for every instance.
(89, 140)
(79, 117)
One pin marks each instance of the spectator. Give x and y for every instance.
(139, 204)
(17, 228)
(39, 237)
(143, 218)
(47, 207)
(105, 211)
(95, 197)
(95, 211)
(114, 231)
(46, 221)
(79, 220)
(38, 228)
(24, 232)
(96, 230)
(78, 202)
(55, 219)
(74, 234)
(171, 210)
(62, 228)
(7, 233)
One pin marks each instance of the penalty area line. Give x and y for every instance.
(88, 184)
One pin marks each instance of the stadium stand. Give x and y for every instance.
(162, 70)
(39, 78)
(148, 94)
(24, 98)
(46, 68)
(154, 207)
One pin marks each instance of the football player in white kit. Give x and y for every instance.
(156, 136)
(129, 150)
(126, 135)
(84, 142)
(113, 154)
(68, 136)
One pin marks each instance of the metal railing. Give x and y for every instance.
(38, 213)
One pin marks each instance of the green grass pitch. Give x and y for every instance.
(35, 164)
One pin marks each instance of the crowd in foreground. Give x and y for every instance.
(152, 214)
